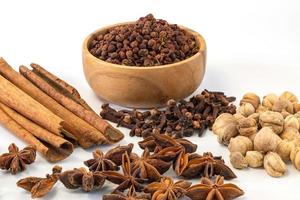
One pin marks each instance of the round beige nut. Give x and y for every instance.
(239, 117)
(246, 109)
(283, 105)
(240, 144)
(254, 116)
(266, 140)
(225, 127)
(288, 96)
(261, 109)
(271, 119)
(237, 160)
(251, 98)
(247, 127)
(295, 157)
(284, 149)
(254, 159)
(269, 100)
(291, 121)
(290, 134)
(274, 165)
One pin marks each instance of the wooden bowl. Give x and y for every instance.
(144, 87)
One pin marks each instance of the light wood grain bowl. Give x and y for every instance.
(144, 87)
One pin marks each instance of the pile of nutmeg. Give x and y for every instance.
(262, 133)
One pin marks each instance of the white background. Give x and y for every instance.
(252, 46)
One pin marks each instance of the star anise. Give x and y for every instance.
(163, 140)
(148, 167)
(39, 187)
(81, 178)
(166, 189)
(16, 160)
(208, 190)
(127, 179)
(100, 162)
(167, 154)
(206, 165)
(115, 154)
(131, 195)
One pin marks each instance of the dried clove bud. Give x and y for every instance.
(246, 109)
(274, 165)
(251, 98)
(254, 159)
(225, 127)
(240, 144)
(271, 119)
(266, 140)
(237, 160)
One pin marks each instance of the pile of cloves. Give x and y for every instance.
(178, 120)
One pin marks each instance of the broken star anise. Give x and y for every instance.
(99, 162)
(148, 167)
(39, 187)
(208, 190)
(166, 189)
(206, 165)
(16, 160)
(127, 179)
(81, 178)
(131, 195)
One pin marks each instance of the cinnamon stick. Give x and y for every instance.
(60, 85)
(51, 146)
(85, 133)
(89, 116)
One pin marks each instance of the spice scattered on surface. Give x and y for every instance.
(16, 160)
(178, 119)
(39, 187)
(146, 42)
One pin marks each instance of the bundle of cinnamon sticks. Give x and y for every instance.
(48, 113)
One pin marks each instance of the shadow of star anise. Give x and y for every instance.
(16, 160)
(206, 165)
(208, 190)
(166, 189)
(81, 178)
(149, 167)
(131, 195)
(99, 162)
(127, 179)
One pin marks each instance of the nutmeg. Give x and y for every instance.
(284, 149)
(254, 159)
(266, 140)
(271, 119)
(246, 109)
(290, 134)
(247, 127)
(225, 128)
(288, 96)
(283, 105)
(240, 144)
(251, 98)
(274, 165)
(295, 157)
(269, 100)
(237, 160)
(291, 121)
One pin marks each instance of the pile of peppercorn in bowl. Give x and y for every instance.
(143, 64)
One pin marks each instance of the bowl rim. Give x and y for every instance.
(198, 36)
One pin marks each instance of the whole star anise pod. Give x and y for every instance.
(127, 179)
(148, 167)
(167, 154)
(168, 190)
(208, 190)
(131, 195)
(100, 162)
(115, 154)
(206, 165)
(16, 160)
(81, 178)
(39, 187)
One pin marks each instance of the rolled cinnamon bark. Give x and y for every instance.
(84, 133)
(51, 146)
(89, 116)
(60, 85)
